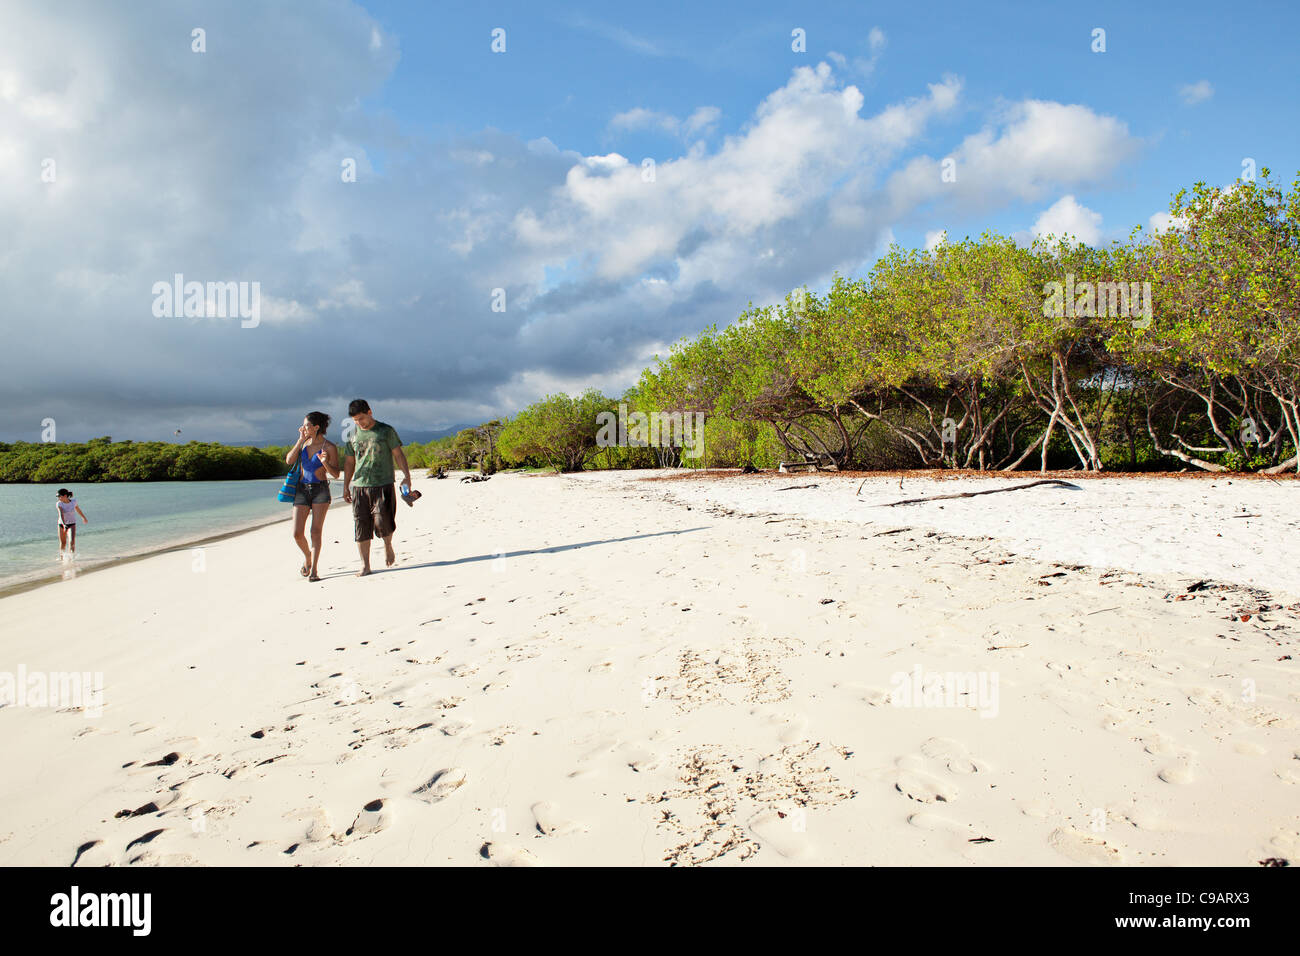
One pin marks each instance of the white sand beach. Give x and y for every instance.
(607, 670)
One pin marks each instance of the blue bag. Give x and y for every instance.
(289, 490)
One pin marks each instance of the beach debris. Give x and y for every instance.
(990, 491)
(798, 487)
(474, 478)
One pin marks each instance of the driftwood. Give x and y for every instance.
(990, 491)
(473, 478)
(811, 461)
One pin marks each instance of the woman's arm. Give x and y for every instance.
(330, 460)
(297, 447)
(82, 513)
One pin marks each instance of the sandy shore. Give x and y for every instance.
(602, 670)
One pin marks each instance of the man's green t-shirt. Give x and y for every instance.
(373, 450)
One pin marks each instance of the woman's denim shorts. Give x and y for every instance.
(317, 493)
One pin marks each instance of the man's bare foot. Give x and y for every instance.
(390, 556)
(305, 569)
(363, 572)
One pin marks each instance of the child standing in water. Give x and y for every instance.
(68, 510)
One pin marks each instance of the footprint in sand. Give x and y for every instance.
(923, 788)
(442, 785)
(794, 727)
(1182, 770)
(1039, 809)
(500, 682)
(1085, 847)
(319, 826)
(875, 696)
(1158, 744)
(551, 822)
(92, 853)
(160, 763)
(773, 829)
(504, 854)
(463, 670)
(639, 758)
(453, 726)
(146, 838)
(952, 754)
(1139, 816)
(374, 816)
(1288, 774)
(1284, 845)
(962, 834)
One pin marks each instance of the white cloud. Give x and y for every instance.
(936, 238)
(1161, 221)
(1198, 92)
(1067, 218)
(863, 65)
(1039, 148)
(701, 121)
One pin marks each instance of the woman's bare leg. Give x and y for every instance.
(72, 538)
(300, 538)
(317, 529)
(63, 538)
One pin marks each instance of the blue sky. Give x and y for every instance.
(522, 172)
(568, 71)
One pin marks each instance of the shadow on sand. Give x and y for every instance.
(512, 554)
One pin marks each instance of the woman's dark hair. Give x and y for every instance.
(63, 491)
(357, 406)
(320, 420)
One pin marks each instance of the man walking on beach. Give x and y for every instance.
(368, 460)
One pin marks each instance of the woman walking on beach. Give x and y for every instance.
(68, 510)
(319, 458)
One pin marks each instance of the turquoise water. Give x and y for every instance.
(126, 518)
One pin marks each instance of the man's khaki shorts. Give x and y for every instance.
(374, 512)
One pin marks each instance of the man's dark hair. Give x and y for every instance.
(357, 406)
(320, 420)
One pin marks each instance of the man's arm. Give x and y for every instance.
(399, 459)
(349, 466)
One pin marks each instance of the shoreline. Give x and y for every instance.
(43, 579)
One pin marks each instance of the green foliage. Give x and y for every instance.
(559, 431)
(102, 459)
